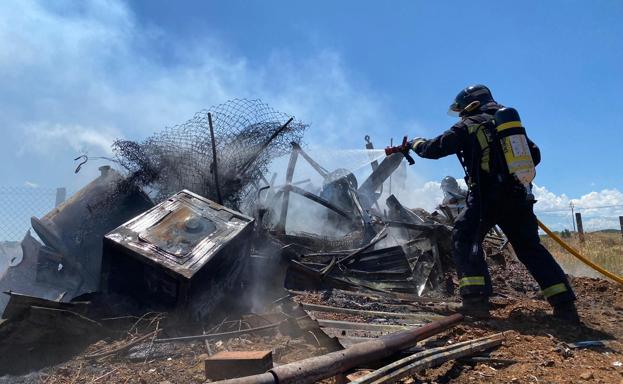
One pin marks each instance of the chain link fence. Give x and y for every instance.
(18, 205)
(244, 136)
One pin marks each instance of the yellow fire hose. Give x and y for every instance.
(583, 259)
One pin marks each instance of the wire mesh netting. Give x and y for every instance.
(18, 205)
(248, 135)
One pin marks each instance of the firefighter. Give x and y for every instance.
(493, 198)
(452, 193)
(453, 198)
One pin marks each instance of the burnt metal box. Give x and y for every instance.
(186, 253)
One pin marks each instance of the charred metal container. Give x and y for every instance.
(186, 253)
(72, 232)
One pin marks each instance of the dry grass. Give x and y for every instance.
(604, 249)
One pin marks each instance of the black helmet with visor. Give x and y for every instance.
(470, 99)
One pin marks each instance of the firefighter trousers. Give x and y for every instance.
(514, 215)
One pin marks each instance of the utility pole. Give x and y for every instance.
(572, 214)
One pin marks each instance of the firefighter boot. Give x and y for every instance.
(566, 311)
(477, 307)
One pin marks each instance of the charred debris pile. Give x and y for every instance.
(192, 231)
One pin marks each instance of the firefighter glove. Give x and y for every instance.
(415, 143)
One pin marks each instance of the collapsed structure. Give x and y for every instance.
(394, 250)
(195, 227)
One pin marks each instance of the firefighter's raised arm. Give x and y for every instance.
(448, 143)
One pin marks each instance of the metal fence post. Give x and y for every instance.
(621, 222)
(61, 194)
(578, 219)
(214, 162)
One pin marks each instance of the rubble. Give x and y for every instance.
(67, 261)
(178, 289)
(407, 259)
(36, 333)
(321, 367)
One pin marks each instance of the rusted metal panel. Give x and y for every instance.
(187, 251)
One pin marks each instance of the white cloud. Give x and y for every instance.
(548, 201)
(77, 75)
(603, 198)
(554, 210)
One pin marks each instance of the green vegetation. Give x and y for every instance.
(605, 248)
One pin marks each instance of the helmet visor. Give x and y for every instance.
(454, 110)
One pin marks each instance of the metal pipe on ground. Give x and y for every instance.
(321, 367)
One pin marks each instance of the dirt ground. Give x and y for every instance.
(537, 342)
(536, 345)
(536, 349)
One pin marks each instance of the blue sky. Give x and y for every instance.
(76, 75)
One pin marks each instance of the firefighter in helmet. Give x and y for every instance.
(496, 196)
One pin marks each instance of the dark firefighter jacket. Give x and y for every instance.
(471, 140)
